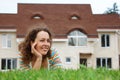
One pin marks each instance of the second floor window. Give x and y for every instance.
(6, 41)
(77, 38)
(105, 40)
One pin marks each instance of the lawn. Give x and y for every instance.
(62, 74)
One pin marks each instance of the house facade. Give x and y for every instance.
(79, 36)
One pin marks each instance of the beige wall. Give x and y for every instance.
(108, 52)
(61, 45)
(9, 52)
(93, 47)
(73, 52)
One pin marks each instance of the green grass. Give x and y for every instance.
(62, 74)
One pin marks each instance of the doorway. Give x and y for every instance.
(83, 61)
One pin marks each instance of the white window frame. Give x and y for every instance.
(74, 17)
(77, 37)
(37, 17)
(67, 61)
(106, 64)
(11, 62)
(6, 40)
(105, 40)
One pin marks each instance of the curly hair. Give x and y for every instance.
(25, 46)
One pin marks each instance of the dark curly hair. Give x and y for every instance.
(25, 46)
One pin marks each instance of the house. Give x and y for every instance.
(80, 37)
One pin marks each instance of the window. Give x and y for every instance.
(37, 17)
(75, 17)
(6, 41)
(68, 59)
(7, 64)
(77, 38)
(104, 62)
(105, 40)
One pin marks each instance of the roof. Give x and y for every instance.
(58, 18)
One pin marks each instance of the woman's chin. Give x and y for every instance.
(45, 53)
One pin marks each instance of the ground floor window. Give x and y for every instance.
(104, 62)
(7, 64)
(68, 59)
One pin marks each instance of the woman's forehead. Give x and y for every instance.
(42, 34)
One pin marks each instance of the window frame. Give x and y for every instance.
(6, 40)
(37, 17)
(68, 62)
(103, 62)
(10, 63)
(75, 17)
(105, 40)
(77, 37)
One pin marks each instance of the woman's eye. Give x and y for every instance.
(47, 40)
(41, 40)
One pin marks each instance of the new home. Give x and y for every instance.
(79, 36)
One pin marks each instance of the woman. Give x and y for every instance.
(36, 50)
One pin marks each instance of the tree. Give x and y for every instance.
(113, 10)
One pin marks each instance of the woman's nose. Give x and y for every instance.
(46, 42)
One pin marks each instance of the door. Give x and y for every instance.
(83, 61)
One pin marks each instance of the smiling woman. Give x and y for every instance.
(36, 50)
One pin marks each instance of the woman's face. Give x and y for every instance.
(43, 42)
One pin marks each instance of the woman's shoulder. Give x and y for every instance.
(54, 60)
(53, 52)
(23, 66)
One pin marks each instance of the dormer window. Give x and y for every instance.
(37, 16)
(75, 17)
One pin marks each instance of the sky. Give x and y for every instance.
(97, 6)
